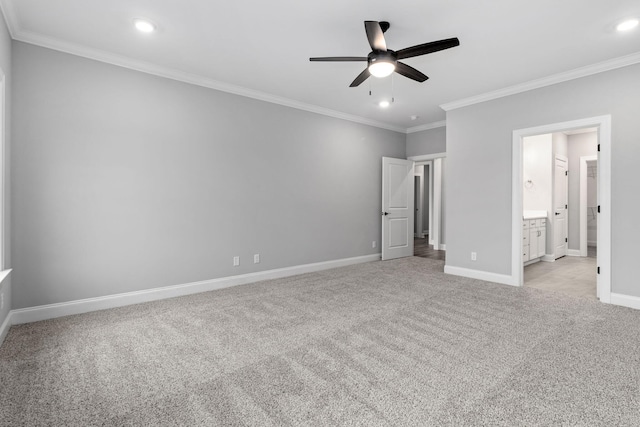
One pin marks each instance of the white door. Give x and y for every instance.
(560, 206)
(397, 208)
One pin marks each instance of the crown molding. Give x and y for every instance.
(169, 73)
(8, 12)
(600, 67)
(428, 126)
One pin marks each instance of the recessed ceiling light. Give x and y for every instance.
(414, 117)
(627, 25)
(144, 26)
(384, 104)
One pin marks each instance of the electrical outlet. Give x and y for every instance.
(256, 258)
(474, 256)
(236, 261)
(374, 244)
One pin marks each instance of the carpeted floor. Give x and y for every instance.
(389, 343)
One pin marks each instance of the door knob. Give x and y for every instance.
(385, 213)
(557, 213)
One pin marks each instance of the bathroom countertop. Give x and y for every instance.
(534, 214)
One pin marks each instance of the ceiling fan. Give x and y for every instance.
(382, 61)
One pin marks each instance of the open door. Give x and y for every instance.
(560, 202)
(397, 208)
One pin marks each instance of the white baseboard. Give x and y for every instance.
(443, 247)
(548, 258)
(480, 275)
(592, 243)
(50, 311)
(4, 329)
(625, 300)
(573, 252)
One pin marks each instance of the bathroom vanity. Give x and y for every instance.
(534, 235)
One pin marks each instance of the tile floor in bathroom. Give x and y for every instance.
(569, 275)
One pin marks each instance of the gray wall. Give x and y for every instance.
(430, 141)
(124, 181)
(479, 147)
(5, 64)
(583, 144)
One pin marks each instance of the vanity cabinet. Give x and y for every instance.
(534, 238)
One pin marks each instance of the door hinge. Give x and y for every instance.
(598, 208)
(566, 240)
(566, 206)
(598, 147)
(598, 270)
(566, 172)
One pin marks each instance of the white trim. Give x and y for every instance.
(430, 225)
(577, 73)
(4, 274)
(625, 300)
(573, 252)
(428, 126)
(592, 243)
(583, 202)
(480, 275)
(426, 157)
(50, 311)
(604, 194)
(6, 325)
(3, 171)
(436, 223)
(181, 76)
(548, 258)
(443, 247)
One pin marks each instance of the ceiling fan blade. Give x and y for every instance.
(339, 59)
(375, 36)
(423, 49)
(410, 72)
(361, 77)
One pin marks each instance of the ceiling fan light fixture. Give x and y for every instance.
(382, 68)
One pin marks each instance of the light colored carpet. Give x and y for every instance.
(379, 344)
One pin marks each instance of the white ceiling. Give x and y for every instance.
(262, 48)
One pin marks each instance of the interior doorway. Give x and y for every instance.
(543, 157)
(427, 220)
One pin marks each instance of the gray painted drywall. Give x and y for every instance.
(430, 141)
(479, 148)
(125, 181)
(582, 144)
(5, 64)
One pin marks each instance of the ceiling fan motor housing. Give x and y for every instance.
(382, 56)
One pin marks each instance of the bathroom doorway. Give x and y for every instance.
(573, 270)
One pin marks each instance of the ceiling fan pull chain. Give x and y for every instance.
(392, 90)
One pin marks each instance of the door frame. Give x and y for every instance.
(583, 203)
(435, 195)
(419, 202)
(603, 123)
